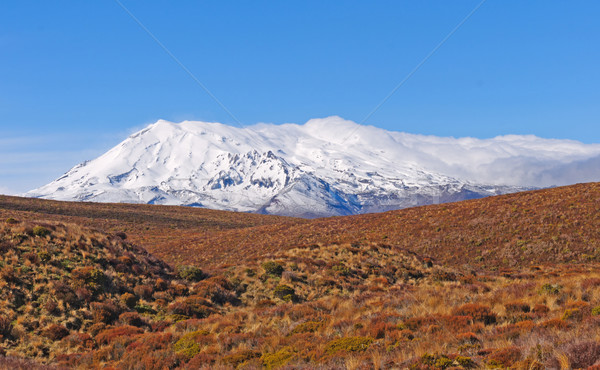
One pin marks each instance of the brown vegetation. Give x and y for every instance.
(511, 281)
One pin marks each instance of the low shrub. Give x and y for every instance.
(79, 341)
(11, 221)
(477, 312)
(555, 324)
(540, 309)
(40, 231)
(89, 277)
(505, 357)
(285, 292)
(44, 256)
(517, 307)
(194, 306)
(583, 354)
(143, 290)
(348, 344)
(132, 319)
(307, 327)
(272, 268)
(129, 300)
(277, 359)
(241, 357)
(188, 345)
(550, 288)
(573, 314)
(109, 335)
(191, 273)
(104, 312)
(56, 332)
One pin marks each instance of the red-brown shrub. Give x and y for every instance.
(51, 306)
(84, 294)
(217, 290)
(468, 337)
(5, 326)
(555, 324)
(517, 307)
(145, 291)
(504, 357)
(590, 283)
(540, 309)
(131, 318)
(193, 307)
(80, 341)
(56, 332)
(583, 354)
(477, 312)
(160, 284)
(105, 312)
(109, 335)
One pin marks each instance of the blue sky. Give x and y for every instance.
(76, 77)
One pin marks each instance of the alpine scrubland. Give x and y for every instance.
(508, 281)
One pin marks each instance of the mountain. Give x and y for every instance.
(325, 167)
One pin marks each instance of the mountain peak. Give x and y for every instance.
(328, 166)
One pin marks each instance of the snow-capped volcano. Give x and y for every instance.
(325, 167)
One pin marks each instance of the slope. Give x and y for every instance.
(549, 225)
(78, 298)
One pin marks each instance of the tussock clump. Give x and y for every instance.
(63, 279)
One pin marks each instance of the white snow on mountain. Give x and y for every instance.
(325, 167)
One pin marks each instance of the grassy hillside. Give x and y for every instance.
(549, 225)
(510, 281)
(169, 232)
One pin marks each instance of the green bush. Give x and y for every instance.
(40, 231)
(348, 344)
(188, 345)
(241, 357)
(277, 359)
(596, 311)
(191, 273)
(129, 300)
(465, 362)
(142, 308)
(551, 288)
(44, 256)
(443, 362)
(572, 314)
(273, 268)
(307, 327)
(88, 277)
(283, 291)
(341, 269)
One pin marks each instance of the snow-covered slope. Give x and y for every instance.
(325, 167)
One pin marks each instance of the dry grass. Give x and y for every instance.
(511, 281)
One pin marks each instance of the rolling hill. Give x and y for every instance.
(507, 281)
(548, 225)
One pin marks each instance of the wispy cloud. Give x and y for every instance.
(6, 191)
(30, 161)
